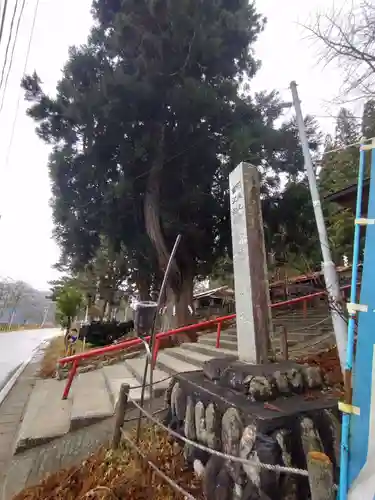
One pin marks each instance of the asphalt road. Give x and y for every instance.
(17, 347)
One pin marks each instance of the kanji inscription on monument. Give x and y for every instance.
(249, 263)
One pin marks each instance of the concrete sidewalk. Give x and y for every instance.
(12, 411)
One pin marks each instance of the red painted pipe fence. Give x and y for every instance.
(76, 358)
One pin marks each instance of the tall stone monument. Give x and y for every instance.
(254, 322)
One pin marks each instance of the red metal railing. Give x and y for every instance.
(76, 358)
(304, 300)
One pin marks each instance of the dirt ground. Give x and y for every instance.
(120, 475)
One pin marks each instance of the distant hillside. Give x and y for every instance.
(25, 304)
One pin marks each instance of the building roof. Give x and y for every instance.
(222, 291)
(347, 197)
(303, 278)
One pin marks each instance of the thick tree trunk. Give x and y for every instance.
(179, 295)
(104, 310)
(152, 205)
(143, 288)
(90, 303)
(68, 326)
(176, 313)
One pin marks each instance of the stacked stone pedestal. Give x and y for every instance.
(272, 414)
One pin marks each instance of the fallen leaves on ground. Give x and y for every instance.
(329, 363)
(55, 350)
(120, 475)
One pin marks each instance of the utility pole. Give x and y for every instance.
(45, 313)
(329, 269)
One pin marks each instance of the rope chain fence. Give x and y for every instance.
(227, 457)
(232, 458)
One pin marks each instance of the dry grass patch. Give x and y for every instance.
(54, 351)
(20, 328)
(120, 475)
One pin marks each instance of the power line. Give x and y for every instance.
(20, 90)
(342, 148)
(12, 55)
(3, 19)
(334, 118)
(9, 42)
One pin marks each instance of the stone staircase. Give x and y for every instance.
(94, 394)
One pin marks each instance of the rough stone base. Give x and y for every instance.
(273, 414)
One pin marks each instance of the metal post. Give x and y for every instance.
(329, 269)
(283, 335)
(120, 415)
(218, 335)
(46, 311)
(10, 323)
(153, 339)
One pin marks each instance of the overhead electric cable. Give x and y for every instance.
(11, 56)
(8, 43)
(3, 19)
(20, 90)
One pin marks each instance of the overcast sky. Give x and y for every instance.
(27, 250)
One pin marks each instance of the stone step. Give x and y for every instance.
(231, 345)
(193, 357)
(39, 425)
(301, 319)
(223, 336)
(160, 378)
(302, 327)
(226, 344)
(91, 399)
(119, 374)
(225, 333)
(310, 313)
(207, 349)
(293, 336)
(172, 365)
(229, 331)
(315, 345)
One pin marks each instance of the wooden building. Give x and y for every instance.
(347, 197)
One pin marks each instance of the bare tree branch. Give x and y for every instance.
(347, 38)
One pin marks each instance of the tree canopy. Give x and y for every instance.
(68, 303)
(339, 169)
(149, 118)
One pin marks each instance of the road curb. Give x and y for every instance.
(18, 372)
(13, 379)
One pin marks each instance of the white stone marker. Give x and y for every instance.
(250, 266)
